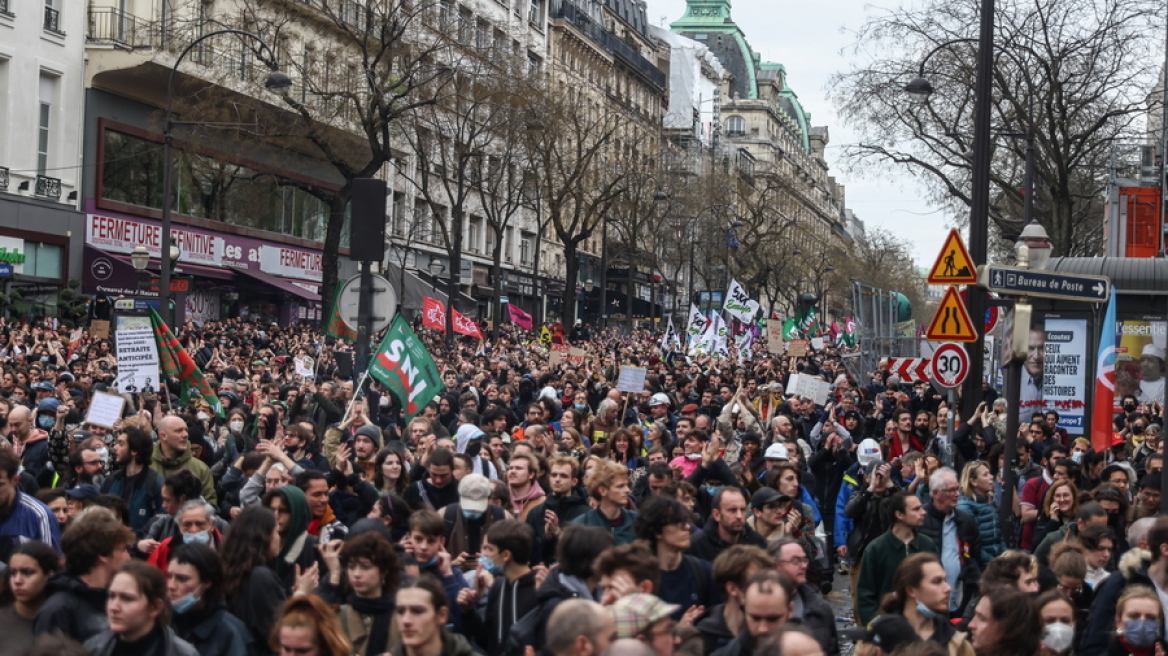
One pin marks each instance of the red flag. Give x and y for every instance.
(433, 313)
(434, 316)
(466, 326)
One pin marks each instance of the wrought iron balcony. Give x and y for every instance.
(4, 175)
(109, 25)
(47, 187)
(53, 20)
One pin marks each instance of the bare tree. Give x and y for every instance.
(581, 150)
(1089, 65)
(358, 69)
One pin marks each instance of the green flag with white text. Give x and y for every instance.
(403, 365)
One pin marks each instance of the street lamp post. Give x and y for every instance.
(920, 89)
(276, 80)
(1032, 251)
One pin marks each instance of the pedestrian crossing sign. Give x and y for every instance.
(953, 265)
(951, 323)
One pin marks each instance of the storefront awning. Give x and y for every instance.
(281, 284)
(415, 288)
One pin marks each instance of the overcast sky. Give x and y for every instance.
(813, 40)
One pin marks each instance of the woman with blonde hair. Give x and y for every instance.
(978, 500)
(1138, 615)
(572, 444)
(307, 626)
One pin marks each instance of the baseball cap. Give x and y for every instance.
(868, 452)
(1117, 440)
(84, 491)
(48, 405)
(658, 399)
(636, 612)
(763, 496)
(688, 408)
(776, 452)
(80, 435)
(43, 386)
(886, 632)
(473, 491)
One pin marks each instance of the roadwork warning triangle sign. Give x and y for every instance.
(951, 323)
(953, 265)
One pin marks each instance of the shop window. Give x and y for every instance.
(43, 260)
(211, 189)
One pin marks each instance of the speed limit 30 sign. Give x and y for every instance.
(950, 365)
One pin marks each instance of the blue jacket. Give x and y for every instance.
(806, 498)
(145, 499)
(986, 516)
(30, 520)
(843, 523)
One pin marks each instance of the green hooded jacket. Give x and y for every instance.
(167, 466)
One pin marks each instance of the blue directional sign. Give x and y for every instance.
(1017, 281)
(5, 270)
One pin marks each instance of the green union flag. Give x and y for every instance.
(403, 365)
(177, 363)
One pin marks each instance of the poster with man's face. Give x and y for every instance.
(1054, 373)
(1139, 360)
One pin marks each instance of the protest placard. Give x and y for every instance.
(138, 364)
(105, 409)
(797, 348)
(809, 387)
(631, 379)
(774, 335)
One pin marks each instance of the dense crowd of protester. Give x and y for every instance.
(531, 507)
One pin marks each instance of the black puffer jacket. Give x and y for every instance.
(73, 608)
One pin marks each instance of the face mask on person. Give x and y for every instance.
(201, 537)
(472, 514)
(713, 490)
(46, 422)
(202, 416)
(235, 426)
(926, 612)
(490, 566)
(103, 453)
(1058, 637)
(186, 603)
(580, 406)
(383, 402)
(1141, 634)
(693, 456)
(1077, 457)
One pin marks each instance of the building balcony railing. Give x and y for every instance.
(4, 178)
(53, 20)
(47, 187)
(109, 25)
(595, 31)
(4, 8)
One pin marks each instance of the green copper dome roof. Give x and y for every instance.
(709, 22)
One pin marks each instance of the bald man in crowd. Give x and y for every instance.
(172, 452)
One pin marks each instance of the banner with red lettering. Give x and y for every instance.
(434, 316)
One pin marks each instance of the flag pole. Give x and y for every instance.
(360, 386)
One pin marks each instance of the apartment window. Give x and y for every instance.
(535, 13)
(52, 17)
(508, 244)
(482, 35)
(398, 225)
(47, 94)
(421, 227)
(446, 13)
(534, 65)
(474, 234)
(525, 250)
(466, 25)
(735, 126)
